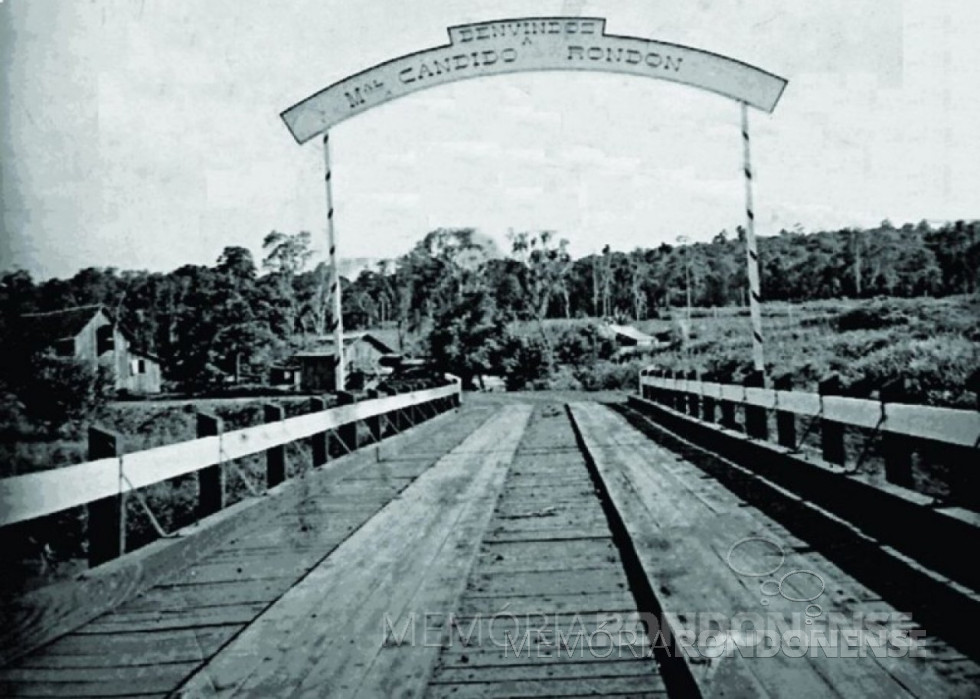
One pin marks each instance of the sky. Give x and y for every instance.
(145, 134)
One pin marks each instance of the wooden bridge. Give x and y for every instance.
(513, 546)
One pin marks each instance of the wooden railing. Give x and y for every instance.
(901, 424)
(103, 483)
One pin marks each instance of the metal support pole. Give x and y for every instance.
(752, 254)
(338, 320)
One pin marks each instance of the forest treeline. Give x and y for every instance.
(242, 315)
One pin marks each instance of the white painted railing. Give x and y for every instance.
(34, 495)
(947, 425)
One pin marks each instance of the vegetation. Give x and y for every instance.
(457, 298)
(530, 318)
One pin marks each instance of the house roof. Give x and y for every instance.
(47, 328)
(349, 339)
(631, 332)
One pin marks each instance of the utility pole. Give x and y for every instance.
(338, 319)
(751, 253)
(683, 240)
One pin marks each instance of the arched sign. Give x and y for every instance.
(532, 44)
(537, 44)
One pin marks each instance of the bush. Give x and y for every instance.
(56, 391)
(606, 375)
(562, 379)
(937, 370)
(872, 316)
(523, 362)
(577, 345)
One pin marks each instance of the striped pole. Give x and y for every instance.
(338, 320)
(752, 254)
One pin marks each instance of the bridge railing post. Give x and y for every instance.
(318, 441)
(275, 457)
(728, 415)
(831, 433)
(785, 420)
(211, 479)
(896, 449)
(106, 517)
(756, 420)
(673, 395)
(388, 425)
(707, 402)
(374, 422)
(693, 399)
(347, 434)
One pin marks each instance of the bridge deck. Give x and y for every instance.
(486, 554)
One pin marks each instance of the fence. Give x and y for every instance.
(103, 483)
(902, 426)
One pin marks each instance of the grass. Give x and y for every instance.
(934, 344)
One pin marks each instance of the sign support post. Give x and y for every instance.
(751, 252)
(338, 319)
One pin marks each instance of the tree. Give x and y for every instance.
(237, 264)
(468, 336)
(285, 257)
(639, 271)
(546, 266)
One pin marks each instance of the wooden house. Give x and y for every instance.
(90, 334)
(285, 376)
(363, 353)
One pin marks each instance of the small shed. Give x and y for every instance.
(628, 336)
(364, 353)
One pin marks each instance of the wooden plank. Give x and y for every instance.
(396, 663)
(34, 495)
(143, 468)
(144, 647)
(688, 578)
(49, 612)
(156, 620)
(537, 667)
(858, 677)
(735, 394)
(177, 597)
(804, 404)
(960, 427)
(93, 682)
(132, 648)
(553, 618)
(858, 412)
(711, 389)
(372, 574)
(596, 685)
(761, 397)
